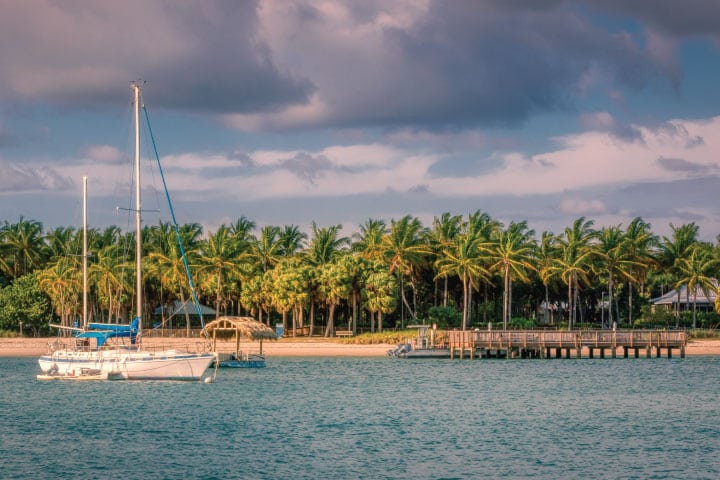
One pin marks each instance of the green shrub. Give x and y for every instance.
(519, 323)
(444, 317)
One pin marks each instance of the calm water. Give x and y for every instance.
(372, 418)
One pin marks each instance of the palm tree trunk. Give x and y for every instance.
(569, 304)
(445, 292)
(354, 312)
(610, 300)
(217, 298)
(312, 317)
(630, 309)
(465, 299)
(330, 330)
(485, 302)
(505, 296)
(380, 321)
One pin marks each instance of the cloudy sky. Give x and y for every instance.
(289, 112)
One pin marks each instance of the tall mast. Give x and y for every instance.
(85, 254)
(138, 237)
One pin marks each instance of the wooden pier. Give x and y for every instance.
(570, 344)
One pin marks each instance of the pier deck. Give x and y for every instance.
(575, 343)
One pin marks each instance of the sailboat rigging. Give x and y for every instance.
(105, 361)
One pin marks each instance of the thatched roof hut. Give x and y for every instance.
(235, 327)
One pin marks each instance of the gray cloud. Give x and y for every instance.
(202, 57)
(681, 165)
(603, 122)
(466, 63)
(686, 18)
(461, 63)
(17, 178)
(307, 166)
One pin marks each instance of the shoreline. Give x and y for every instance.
(285, 347)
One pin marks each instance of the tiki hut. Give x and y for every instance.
(226, 328)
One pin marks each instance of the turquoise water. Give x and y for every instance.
(372, 418)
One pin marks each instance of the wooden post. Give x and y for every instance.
(237, 344)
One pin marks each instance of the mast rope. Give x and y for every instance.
(175, 224)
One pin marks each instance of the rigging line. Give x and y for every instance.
(175, 225)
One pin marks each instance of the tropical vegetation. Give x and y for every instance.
(461, 272)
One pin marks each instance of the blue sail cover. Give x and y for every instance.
(103, 331)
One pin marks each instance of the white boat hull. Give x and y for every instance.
(128, 364)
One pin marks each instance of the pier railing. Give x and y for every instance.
(538, 339)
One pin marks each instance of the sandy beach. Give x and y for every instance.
(286, 347)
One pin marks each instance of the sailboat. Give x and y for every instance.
(103, 360)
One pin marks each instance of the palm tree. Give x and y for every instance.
(639, 245)
(168, 265)
(59, 242)
(464, 258)
(381, 294)
(404, 251)
(615, 260)
(107, 277)
(62, 283)
(368, 242)
(325, 246)
(220, 259)
(267, 250)
(24, 248)
(253, 296)
(545, 255)
(673, 249)
(291, 240)
(241, 229)
(482, 225)
(577, 253)
(445, 229)
(333, 286)
(290, 290)
(696, 271)
(512, 253)
(356, 269)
